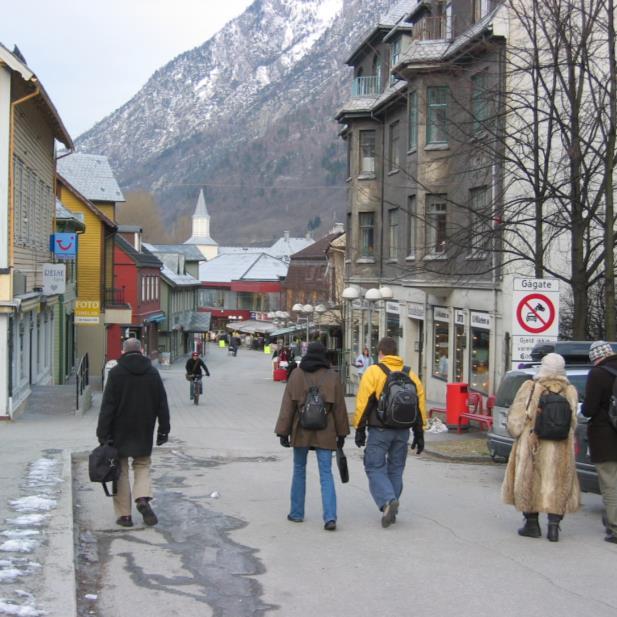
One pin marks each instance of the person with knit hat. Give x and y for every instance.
(541, 473)
(314, 370)
(602, 436)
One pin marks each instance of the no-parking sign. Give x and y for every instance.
(535, 317)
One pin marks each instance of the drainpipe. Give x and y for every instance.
(14, 104)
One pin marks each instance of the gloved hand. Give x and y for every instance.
(161, 438)
(360, 436)
(285, 441)
(418, 440)
(340, 441)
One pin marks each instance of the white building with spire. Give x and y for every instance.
(201, 230)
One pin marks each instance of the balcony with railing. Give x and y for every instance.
(366, 86)
(115, 297)
(434, 29)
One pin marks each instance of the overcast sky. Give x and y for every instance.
(93, 55)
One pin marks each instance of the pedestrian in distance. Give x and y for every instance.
(133, 402)
(541, 472)
(363, 361)
(601, 433)
(194, 366)
(385, 455)
(293, 428)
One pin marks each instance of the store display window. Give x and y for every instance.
(441, 343)
(479, 360)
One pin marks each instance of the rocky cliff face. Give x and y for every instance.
(248, 115)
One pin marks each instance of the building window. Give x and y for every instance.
(436, 224)
(395, 54)
(480, 9)
(143, 288)
(441, 342)
(479, 223)
(437, 115)
(412, 136)
(479, 100)
(19, 199)
(393, 227)
(393, 152)
(460, 343)
(479, 358)
(411, 226)
(349, 154)
(367, 234)
(367, 152)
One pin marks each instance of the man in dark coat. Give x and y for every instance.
(133, 400)
(602, 436)
(193, 367)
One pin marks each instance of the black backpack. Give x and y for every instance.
(612, 405)
(554, 416)
(313, 412)
(104, 466)
(398, 404)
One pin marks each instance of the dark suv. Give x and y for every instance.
(577, 368)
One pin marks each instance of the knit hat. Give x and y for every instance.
(552, 365)
(599, 350)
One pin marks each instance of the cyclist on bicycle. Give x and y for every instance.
(193, 368)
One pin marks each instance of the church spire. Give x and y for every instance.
(201, 229)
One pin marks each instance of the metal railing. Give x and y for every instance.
(114, 296)
(82, 380)
(434, 29)
(366, 86)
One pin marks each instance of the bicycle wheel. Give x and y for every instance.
(196, 393)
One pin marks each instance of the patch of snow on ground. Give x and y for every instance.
(20, 533)
(8, 575)
(18, 546)
(28, 519)
(8, 608)
(44, 472)
(33, 503)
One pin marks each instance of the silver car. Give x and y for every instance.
(500, 441)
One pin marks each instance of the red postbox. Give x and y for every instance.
(456, 403)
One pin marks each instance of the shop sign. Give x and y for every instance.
(87, 312)
(54, 277)
(63, 245)
(393, 307)
(459, 317)
(441, 314)
(415, 310)
(481, 320)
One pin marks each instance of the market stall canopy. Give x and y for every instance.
(252, 326)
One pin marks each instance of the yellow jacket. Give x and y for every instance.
(371, 387)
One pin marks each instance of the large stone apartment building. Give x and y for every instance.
(424, 189)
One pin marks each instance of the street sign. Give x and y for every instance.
(54, 279)
(535, 317)
(535, 313)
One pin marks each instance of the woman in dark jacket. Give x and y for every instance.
(314, 370)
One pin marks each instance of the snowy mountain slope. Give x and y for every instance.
(250, 109)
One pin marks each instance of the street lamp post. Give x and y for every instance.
(308, 310)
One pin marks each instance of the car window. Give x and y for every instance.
(579, 382)
(509, 387)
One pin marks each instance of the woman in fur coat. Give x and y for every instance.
(541, 473)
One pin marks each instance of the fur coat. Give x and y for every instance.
(541, 474)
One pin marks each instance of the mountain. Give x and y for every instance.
(249, 116)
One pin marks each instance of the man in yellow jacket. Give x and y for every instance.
(386, 451)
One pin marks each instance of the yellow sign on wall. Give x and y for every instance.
(87, 312)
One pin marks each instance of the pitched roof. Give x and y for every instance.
(190, 251)
(15, 62)
(236, 267)
(142, 258)
(92, 175)
(178, 280)
(86, 202)
(62, 214)
(397, 12)
(317, 249)
(287, 246)
(372, 103)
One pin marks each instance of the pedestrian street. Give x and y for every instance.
(223, 546)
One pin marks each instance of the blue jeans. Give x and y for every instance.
(385, 456)
(298, 483)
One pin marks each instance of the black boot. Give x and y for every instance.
(531, 528)
(553, 527)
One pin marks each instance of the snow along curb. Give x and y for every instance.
(59, 597)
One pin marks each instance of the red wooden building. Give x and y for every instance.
(136, 285)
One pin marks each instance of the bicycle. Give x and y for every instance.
(197, 388)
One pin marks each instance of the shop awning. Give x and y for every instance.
(294, 328)
(155, 318)
(252, 326)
